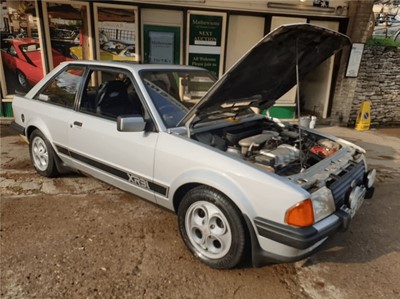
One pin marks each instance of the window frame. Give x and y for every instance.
(141, 74)
(53, 78)
(147, 113)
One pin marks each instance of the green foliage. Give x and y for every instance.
(387, 42)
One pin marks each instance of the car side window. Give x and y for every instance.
(62, 89)
(109, 94)
(12, 51)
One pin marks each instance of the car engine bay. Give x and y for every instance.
(271, 147)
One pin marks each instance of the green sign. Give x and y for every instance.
(206, 61)
(205, 39)
(205, 30)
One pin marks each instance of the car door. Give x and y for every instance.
(124, 159)
(54, 107)
(9, 56)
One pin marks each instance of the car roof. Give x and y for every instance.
(132, 65)
(22, 41)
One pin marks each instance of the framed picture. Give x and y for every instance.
(116, 31)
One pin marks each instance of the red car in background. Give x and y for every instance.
(23, 57)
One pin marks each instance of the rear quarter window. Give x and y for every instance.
(62, 89)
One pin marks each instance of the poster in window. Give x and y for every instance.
(69, 32)
(162, 44)
(206, 41)
(20, 49)
(161, 47)
(116, 33)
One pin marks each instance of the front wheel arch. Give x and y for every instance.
(246, 255)
(181, 192)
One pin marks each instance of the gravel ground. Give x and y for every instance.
(75, 237)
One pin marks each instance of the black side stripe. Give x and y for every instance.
(133, 178)
(62, 150)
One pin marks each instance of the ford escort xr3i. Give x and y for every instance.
(243, 185)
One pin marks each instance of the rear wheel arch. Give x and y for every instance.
(29, 131)
(61, 168)
(41, 127)
(42, 154)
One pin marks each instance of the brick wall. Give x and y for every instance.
(379, 82)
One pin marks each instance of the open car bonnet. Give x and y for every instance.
(268, 70)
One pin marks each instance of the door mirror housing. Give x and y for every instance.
(131, 123)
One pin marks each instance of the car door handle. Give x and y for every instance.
(77, 124)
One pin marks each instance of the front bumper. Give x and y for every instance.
(304, 241)
(304, 237)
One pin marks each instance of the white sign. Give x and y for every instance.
(161, 47)
(117, 25)
(355, 60)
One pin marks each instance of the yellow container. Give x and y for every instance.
(363, 120)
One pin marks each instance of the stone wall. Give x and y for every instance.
(360, 13)
(378, 81)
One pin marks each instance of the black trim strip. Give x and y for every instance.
(62, 150)
(132, 178)
(16, 127)
(260, 257)
(300, 238)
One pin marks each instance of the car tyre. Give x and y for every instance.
(42, 155)
(212, 227)
(22, 80)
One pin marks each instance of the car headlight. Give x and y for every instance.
(305, 213)
(323, 203)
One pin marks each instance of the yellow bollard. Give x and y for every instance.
(363, 120)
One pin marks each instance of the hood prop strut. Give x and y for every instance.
(298, 104)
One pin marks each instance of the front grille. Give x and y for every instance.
(340, 184)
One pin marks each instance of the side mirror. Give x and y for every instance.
(131, 123)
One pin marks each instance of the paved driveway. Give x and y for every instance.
(75, 237)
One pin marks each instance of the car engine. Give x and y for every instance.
(271, 147)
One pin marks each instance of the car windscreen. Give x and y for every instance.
(174, 92)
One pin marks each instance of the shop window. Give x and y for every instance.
(67, 26)
(21, 59)
(116, 32)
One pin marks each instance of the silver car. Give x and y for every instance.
(244, 186)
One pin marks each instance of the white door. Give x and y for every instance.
(55, 104)
(289, 98)
(243, 33)
(317, 85)
(124, 159)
